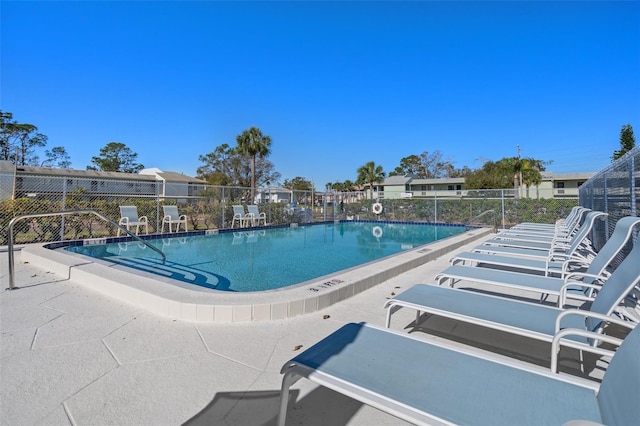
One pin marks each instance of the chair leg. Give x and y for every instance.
(288, 380)
(390, 311)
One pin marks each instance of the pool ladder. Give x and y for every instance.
(63, 213)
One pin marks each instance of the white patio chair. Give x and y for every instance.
(256, 216)
(172, 216)
(240, 216)
(129, 217)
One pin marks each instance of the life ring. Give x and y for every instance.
(377, 231)
(377, 208)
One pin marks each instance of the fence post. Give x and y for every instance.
(324, 205)
(63, 207)
(503, 213)
(632, 187)
(223, 204)
(158, 206)
(605, 194)
(435, 206)
(269, 202)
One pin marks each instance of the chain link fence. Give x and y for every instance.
(210, 207)
(614, 190)
(206, 207)
(500, 208)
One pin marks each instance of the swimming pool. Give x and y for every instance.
(160, 295)
(270, 258)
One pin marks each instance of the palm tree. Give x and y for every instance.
(370, 174)
(254, 144)
(525, 171)
(530, 172)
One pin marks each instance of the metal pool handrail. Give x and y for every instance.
(62, 213)
(484, 213)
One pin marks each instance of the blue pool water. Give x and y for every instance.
(267, 259)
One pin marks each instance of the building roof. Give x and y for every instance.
(437, 181)
(147, 175)
(179, 177)
(566, 176)
(87, 174)
(171, 176)
(397, 180)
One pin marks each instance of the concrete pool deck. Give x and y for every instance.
(70, 355)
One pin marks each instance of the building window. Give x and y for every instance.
(560, 187)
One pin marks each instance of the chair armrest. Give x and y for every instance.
(578, 261)
(588, 314)
(562, 298)
(559, 340)
(576, 275)
(557, 257)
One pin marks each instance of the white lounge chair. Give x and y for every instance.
(555, 244)
(563, 223)
(560, 230)
(172, 216)
(579, 243)
(535, 321)
(432, 382)
(621, 233)
(129, 217)
(240, 216)
(256, 216)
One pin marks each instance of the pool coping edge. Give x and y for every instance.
(221, 307)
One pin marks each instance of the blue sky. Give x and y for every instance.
(335, 84)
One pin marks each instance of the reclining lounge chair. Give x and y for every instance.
(563, 230)
(531, 320)
(429, 382)
(582, 234)
(579, 243)
(614, 244)
(560, 223)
